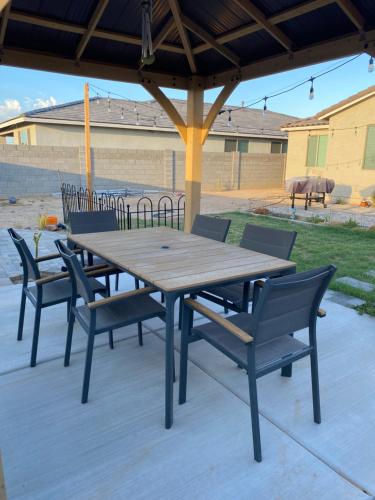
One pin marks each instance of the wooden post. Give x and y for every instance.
(193, 159)
(87, 139)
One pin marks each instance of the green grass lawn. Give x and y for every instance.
(351, 250)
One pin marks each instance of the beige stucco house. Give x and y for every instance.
(338, 142)
(117, 123)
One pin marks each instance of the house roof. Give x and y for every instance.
(215, 40)
(321, 119)
(150, 115)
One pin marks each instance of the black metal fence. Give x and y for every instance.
(146, 213)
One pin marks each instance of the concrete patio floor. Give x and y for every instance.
(116, 447)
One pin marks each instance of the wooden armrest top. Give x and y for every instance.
(121, 296)
(53, 277)
(260, 283)
(219, 320)
(100, 271)
(51, 256)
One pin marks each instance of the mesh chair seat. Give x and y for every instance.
(233, 293)
(266, 353)
(59, 291)
(121, 313)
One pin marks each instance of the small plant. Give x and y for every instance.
(340, 201)
(316, 219)
(42, 221)
(351, 223)
(261, 211)
(36, 238)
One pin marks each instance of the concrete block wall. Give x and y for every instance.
(38, 170)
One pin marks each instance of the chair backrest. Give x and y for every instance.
(290, 303)
(80, 282)
(93, 222)
(211, 227)
(29, 266)
(276, 242)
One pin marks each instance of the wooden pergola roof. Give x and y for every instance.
(199, 45)
(214, 39)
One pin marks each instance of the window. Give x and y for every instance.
(369, 158)
(230, 146)
(276, 147)
(317, 151)
(24, 137)
(240, 145)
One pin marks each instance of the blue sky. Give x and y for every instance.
(21, 90)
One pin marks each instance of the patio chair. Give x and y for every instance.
(48, 291)
(261, 342)
(95, 221)
(207, 227)
(211, 227)
(275, 242)
(103, 315)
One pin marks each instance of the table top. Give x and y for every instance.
(172, 260)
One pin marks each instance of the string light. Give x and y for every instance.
(312, 92)
(135, 107)
(230, 118)
(371, 65)
(122, 113)
(137, 120)
(109, 103)
(97, 98)
(265, 104)
(154, 121)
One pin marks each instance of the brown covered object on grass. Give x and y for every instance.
(309, 184)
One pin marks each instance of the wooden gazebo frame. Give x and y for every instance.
(180, 34)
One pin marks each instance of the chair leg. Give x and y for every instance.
(140, 335)
(68, 310)
(162, 298)
(34, 348)
(110, 339)
(108, 285)
(286, 371)
(22, 316)
(254, 416)
(117, 281)
(180, 309)
(184, 354)
(315, 386)
(86, 377)
(69, 336)
(226, 310)
(136, 281)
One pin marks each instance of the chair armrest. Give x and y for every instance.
(51, 256)
(259, 283)
(100, 271)
(216, 318)
(53, 277)
(121, 296)
(321, 313)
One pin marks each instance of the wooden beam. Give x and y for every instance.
(261, 19)
(216, 107)
(95, 18)
(163, 33)
(161, 36)
(176, 12)
(280, 17)
(312, 54)
(87, 68)
(3, 4)
(193, 156)
(24, 17)
(4, 23)
(168, 107)
(210, 40)
(352, 13)
(87, 140)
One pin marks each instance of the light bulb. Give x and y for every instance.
(97, 99)
(229, 119)
(122, 113)
(311, 93)
(265, 105)
(371, 65)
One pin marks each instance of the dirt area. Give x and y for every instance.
(27, 211)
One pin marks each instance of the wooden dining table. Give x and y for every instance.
(177, 263)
